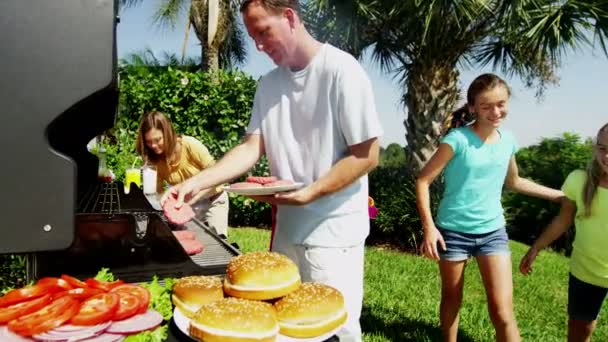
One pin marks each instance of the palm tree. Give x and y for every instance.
(425, 43)
(215, 24)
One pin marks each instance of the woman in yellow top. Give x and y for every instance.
(177, 158)
(586, 203)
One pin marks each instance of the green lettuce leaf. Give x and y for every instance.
(160, 296)
(159, 334)
(105, 275)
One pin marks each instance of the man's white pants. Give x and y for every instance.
(341, 268)
(214, 213)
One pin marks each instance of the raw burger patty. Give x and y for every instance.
(280, 182)
(192, 246)
(177, 216)
(261, 180)
(245, 185)
(184, 235)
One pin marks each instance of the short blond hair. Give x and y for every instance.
(273, 5)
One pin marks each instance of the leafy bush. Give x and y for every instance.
(547, 163)
(392, 156)
(212, 107)
(12, 272)
(394, 191)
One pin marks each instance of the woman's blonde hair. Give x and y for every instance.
(158, 121)
(594, 174)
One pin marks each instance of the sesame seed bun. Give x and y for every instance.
(190, 293)
(310, 311)
(261, 276)
(235, 320)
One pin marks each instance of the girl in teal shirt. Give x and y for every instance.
(477, 161)
(586, 204)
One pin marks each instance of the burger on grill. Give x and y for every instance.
(190, 293)
(235, 320)
(261, 276)
(310, 311)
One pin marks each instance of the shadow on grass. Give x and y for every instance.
(402, 328)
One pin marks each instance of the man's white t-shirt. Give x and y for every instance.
(308, 119)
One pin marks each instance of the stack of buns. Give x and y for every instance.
(299, 310)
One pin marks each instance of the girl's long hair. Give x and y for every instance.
(159, 121)
(594, 174)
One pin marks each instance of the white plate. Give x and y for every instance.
(264, 190)
(182, 322)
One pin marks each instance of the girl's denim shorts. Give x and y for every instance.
(462, 246)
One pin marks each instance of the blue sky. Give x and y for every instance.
(577, 104)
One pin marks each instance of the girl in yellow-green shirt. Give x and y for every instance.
(586, 204)
(177, 158)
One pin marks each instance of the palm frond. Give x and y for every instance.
(169, 11)
(342, 23)
(129, 3)
(233, 52)
(556, 28)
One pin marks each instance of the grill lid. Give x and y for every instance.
(59, 90)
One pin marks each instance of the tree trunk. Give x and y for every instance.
(200, 19)
(432, 92)
(212, 60)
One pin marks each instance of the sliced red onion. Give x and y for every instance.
(70, 333)
(105, 338)
(6, 335)
(72, 328)
(146, 321)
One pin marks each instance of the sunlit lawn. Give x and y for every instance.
(402, 296)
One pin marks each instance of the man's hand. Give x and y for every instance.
(183, 192)
(299, 197)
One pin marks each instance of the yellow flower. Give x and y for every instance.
(370, 201)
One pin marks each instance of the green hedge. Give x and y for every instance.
(12, 272)
(394, 193)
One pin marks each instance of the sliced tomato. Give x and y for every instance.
(73, 281)
(56, 282)
(49, 317)
(27, 293)
(127, 307)
(103, 285)
(80, 293)
(17, 310)
(141, 292)
(97, 309)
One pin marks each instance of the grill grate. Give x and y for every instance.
(216, 253)
(102, 198)
(110, 199)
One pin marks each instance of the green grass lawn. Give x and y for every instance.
(402, 296)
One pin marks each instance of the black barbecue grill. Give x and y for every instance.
(59, 90)
(124, 233)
